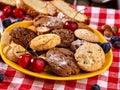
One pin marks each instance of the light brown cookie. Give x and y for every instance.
(45, 42)
(13, 51)
(90, 57)
(86, 35)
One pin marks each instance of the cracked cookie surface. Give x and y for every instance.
(90, 57)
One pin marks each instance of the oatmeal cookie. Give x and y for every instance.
(90, 57)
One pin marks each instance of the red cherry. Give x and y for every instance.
(70, 25)
(7, 11)
(24, 60)
(18, 13)
(2, 16)
(37, 65)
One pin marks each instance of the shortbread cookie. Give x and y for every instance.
(13, 51)
(67, 36)
(69, 11)
(45, 42)
(86, 35)
(90, 57)
(8, 2)
(61, 62)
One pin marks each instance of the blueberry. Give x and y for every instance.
(6, 22)
(95, 87)
(114, 39)
(116, 44)
(1, 77)
(106, 47)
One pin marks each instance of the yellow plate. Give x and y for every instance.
(45, 75)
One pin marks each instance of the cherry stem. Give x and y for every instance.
(29, 51)
(26, 48)
(78, 12)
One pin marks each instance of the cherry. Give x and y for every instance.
(7, 11)
(2, 16)
(24, 60)
(18, 13)
(37, 65)
(70, 25)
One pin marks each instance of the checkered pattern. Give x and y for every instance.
(108, 80)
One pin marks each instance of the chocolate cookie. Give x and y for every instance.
(76, 44)
(67, 36)
(61, 62)
(22, 36)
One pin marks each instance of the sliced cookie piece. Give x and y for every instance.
(48, 21)
(62, 62)
(86, 35)
(90, 57)
(67, 36)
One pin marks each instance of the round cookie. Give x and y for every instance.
(61, 62)
(67, 36)
(45, 42)
(86, 35)
(90, 57)
(22, 36)
(76, 44)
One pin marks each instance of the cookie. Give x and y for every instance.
(13, 51)
(67, 36)
(61, 62)
(45, 42)
(90, 57)
(76, 44)
(22, 36)
(48, 21)
(86, 35)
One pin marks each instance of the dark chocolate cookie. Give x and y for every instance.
(67, 36)
(22, 36)
(62, 62)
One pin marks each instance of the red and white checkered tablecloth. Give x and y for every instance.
(108, 80)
